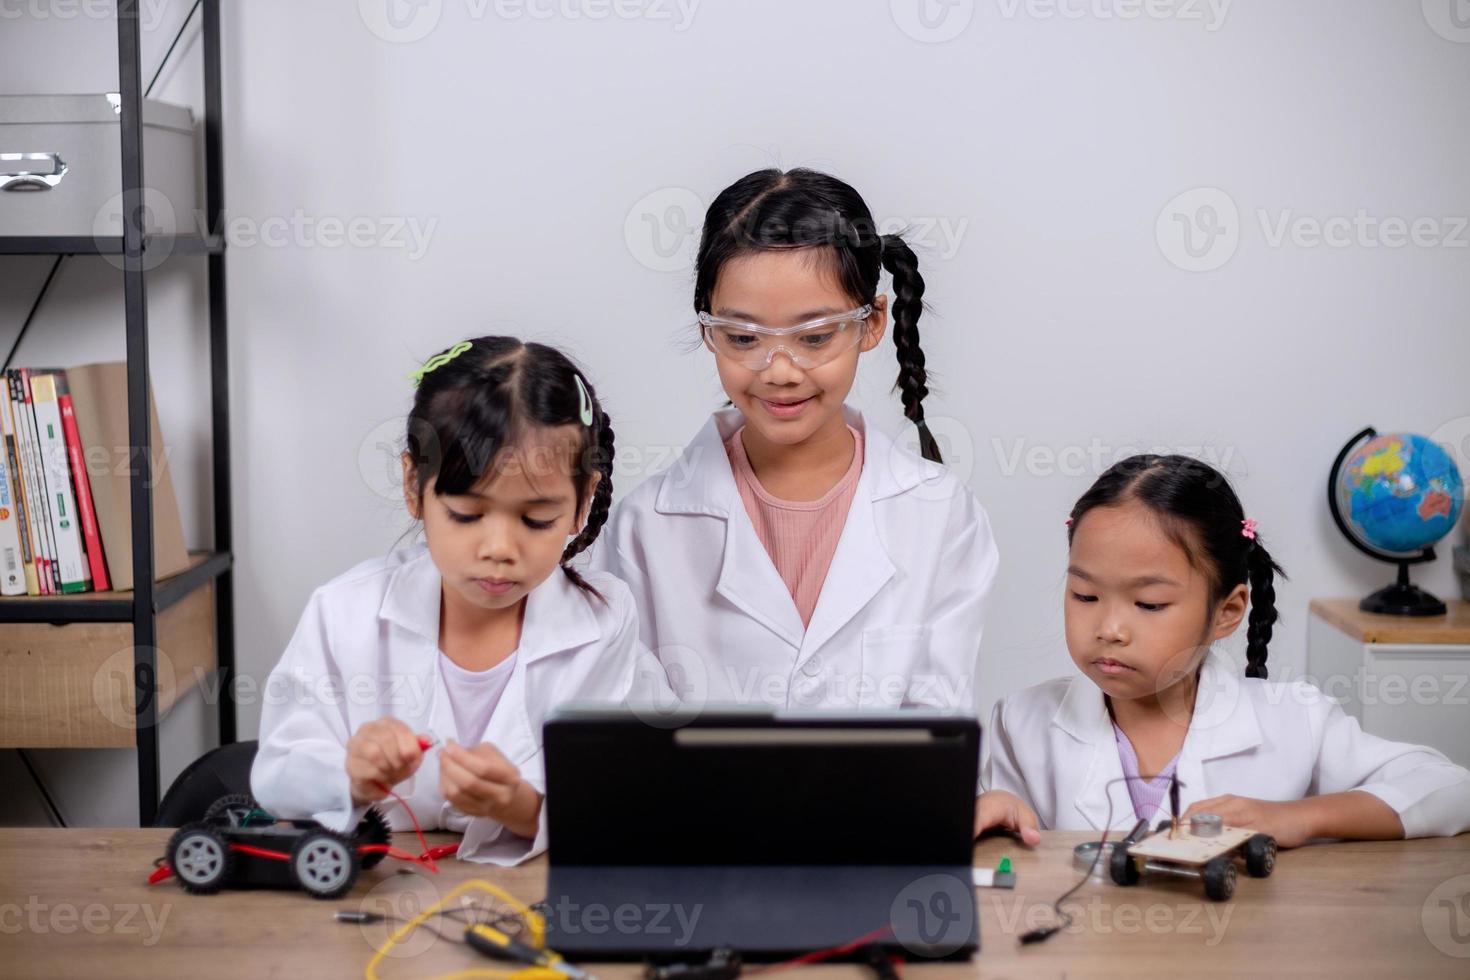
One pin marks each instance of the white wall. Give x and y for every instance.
(1045, 148)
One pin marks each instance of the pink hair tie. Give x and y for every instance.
(1069, 522)
(1248, 528)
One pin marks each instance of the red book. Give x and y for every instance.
(90, 537)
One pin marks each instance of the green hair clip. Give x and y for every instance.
(584, 400)
(438, 361)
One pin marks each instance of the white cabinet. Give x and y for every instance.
(1403, 678)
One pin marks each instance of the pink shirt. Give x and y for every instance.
(799, 535)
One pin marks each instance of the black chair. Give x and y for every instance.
(218, 772)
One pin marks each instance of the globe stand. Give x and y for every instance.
(1403, 599)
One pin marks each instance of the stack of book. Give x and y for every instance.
(65, 523)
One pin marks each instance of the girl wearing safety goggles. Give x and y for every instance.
(796, 555)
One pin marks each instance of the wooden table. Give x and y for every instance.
(74, 903)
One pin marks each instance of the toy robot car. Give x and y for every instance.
(1206, 850)
(240, 845)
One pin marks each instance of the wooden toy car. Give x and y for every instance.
(240, 845)
(1209, 856)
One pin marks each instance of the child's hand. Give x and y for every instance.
(1287, 822)
(481, 782)
(382, 753)
(997, 808)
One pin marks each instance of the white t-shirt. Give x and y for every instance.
(473, 695)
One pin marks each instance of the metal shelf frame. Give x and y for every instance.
(150, 597)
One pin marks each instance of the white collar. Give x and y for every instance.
(1224, 720)
(558, 616)
(1224, 723)
(706, 484)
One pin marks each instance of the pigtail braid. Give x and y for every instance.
(1261, 570)
(908, 304)
(597, 511)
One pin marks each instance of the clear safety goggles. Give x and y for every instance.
(809, 345)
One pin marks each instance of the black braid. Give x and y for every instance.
(597, 511)
(908, 303)
(1262, 570)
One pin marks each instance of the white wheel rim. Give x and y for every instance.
(323, 865)
(198, 859)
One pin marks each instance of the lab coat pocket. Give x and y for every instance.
(892, 657)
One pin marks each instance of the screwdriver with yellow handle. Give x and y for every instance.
(494, 943)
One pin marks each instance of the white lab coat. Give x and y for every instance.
(900, 615)
(367, 647)
(1053, 746)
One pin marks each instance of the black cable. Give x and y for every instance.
(164, 63)
(45, 795)
(31, 316)
(1046, 932)
(498, 920)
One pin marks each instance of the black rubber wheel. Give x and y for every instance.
(1122, 868)
(1260, 856)
(234, 809)
(373, 830)
(200, 858)
(1219, 875)
(324, 863)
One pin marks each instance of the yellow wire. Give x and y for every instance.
(535, 922)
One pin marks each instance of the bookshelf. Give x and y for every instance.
(184, 609)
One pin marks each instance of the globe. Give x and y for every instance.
(1394, 496)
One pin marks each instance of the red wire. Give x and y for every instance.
(427, 857)
(823, 954)
(261, 852)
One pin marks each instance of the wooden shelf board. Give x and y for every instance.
(1451, 628)
(72, 686)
